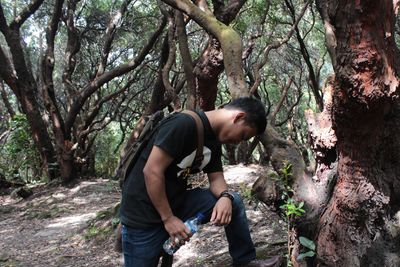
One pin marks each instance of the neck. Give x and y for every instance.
(214, 120)
(217, 119)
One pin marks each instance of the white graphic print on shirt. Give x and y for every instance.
(188, 161)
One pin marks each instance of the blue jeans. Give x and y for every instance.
(143, 247)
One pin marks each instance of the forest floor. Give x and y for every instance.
(73, 226)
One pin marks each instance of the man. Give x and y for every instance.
(156, 200)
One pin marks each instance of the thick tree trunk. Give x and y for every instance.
(17, 75)
(355, 228)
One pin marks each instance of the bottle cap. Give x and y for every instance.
(200, 216)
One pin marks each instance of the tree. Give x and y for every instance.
(79, 110)
(354, 202)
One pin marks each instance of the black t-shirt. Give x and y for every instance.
(177, 135)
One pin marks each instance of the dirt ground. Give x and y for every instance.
(60, 226)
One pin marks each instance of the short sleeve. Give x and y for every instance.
(215, 164)
(176, 135)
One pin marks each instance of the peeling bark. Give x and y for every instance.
(354, 229)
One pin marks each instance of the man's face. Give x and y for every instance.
(236, 130)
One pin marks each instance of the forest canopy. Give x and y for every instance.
(79, 75)
(78, 79)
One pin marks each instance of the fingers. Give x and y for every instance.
(222, 212)
(178, 240)
(182, 233)
(176, 228)
(181, 238)
(213, 215)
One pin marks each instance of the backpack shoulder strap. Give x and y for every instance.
(136, 148)
(200, 139)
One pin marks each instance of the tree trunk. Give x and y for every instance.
(207, 70)
(38, 128)
(356, 227)
(19, 78)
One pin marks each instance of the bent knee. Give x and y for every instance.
(237, 202)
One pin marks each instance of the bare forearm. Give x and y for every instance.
(155, 185)
(217, 183)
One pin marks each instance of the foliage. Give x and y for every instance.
(291, 209)
(248, 196)
(19, 160)
(309, 245)
(257, 21)
(106, 158)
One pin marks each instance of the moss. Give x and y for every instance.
(102, 226)
(98, 233)
(6, 261)
(54, 212)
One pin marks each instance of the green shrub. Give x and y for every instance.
(20, 159)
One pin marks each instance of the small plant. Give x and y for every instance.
(247, 195)
(245, 192)
(309, 246)
(286, 173)
(92, 232)
(290, 207)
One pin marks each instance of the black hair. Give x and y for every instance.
(255, 111)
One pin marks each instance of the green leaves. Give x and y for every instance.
(20, 159)
(305, 255)
(309, 244)
(291, 208)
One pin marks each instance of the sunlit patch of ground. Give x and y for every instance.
(55, 227)
(48, 230)
(210, 247)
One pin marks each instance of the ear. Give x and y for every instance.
(240, 115)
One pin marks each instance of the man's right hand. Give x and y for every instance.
(176, 229)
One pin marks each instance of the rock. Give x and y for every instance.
(268, 189)
(23, 192)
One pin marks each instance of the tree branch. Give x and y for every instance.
(230, 41)
(47, 74)
(280, 102)
(186, 60)
(3, 22)
(314, 83)
(227, 13)
(107, 98)
(170, 92)
(73, 47)
(275, 45)
(290, 110)
(28, 11)
(6, 102)
(7, 71)
(108, 76)
(109, 36)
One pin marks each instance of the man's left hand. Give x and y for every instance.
(222, 212)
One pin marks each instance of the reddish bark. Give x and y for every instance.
(357, 217)
(207, 70)
(16, 74)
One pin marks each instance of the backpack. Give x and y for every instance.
(129, 159)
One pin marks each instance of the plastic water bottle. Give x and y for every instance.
(193, 225)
